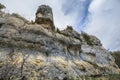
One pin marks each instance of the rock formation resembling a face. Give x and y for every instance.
(44, 16)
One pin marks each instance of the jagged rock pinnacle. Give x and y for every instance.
(44, 16)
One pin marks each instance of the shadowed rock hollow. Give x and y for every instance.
(33, 52)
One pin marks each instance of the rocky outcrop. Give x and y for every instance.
(44, 16)
(116, 55)
(32, 52)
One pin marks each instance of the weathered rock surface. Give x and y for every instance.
(44, 16)
(32, 52)
(116, 55)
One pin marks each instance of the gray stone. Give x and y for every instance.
(44, 16)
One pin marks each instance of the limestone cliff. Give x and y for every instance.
(33, 52)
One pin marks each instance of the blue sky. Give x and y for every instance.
(97, 17)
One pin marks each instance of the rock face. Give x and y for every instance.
(44, 16)
(32, 52)
(116, 55)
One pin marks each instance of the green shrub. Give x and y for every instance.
(88, 39)
(116, 55)
(69, 28)
(58, 30)
(32, 22)
(2, 6)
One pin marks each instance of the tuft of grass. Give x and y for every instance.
(32, 22)
(58, 30)
(69, 28)
(88, 39)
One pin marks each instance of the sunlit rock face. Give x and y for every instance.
(32, 52)
(44, 16)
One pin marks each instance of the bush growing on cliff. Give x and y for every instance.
(87, 39)
(2, 6)
(58, 30)
(32, 22)
(116, 55)
(69, 28)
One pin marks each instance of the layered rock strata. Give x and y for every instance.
(32, 52)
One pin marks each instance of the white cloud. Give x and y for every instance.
(27, 8)
(66, 12)
(104, 18)
(105, 22)
(78, 9)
